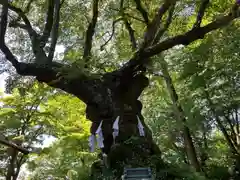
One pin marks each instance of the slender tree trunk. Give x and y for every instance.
(11, 167)
(192, 155)
(19, 163)
(204, 147)
(181, 153)
(237, 125)
(15, 176)
(233, 133)
(220, 125)
(180, 150)
(191, 152)
(236, 119)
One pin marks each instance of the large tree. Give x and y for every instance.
(114, 93)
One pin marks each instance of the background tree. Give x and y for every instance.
(23, 127)
(69, 156)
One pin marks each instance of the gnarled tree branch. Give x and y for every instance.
(27, 9)
(32, 33)
(3, 28)
(131, 33)
(28, 6)
(142, 11)
(79, 86)
(4, 19)
(113, 31)
(52, 25)
(167, 24)
(200, 14)
(13, 145)
(156, 22)
(37, 50)
(197, 33)
(128, 27)
(54, 30)
(134, 17)
(90, 32)
(49, 23)
(192, 35)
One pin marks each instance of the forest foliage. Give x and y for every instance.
(205, 75)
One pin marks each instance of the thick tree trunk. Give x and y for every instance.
(129, 149)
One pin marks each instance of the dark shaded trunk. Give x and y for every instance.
(181, 152)
(233, 133)
(15, 176)
(203, 145)
(236, 119)
(191, 152)
(16, 160)
(129, 149)
(237, 124)
(12, 164)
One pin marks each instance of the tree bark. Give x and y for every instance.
(204, 155)
(12, 162)
(13, 167)
(237, 124)
(13, 145)
(232, 132)
(129, 148)
(191, 152)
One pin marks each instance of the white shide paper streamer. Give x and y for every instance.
(100, 136)
(140, 127)
(116, 128)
